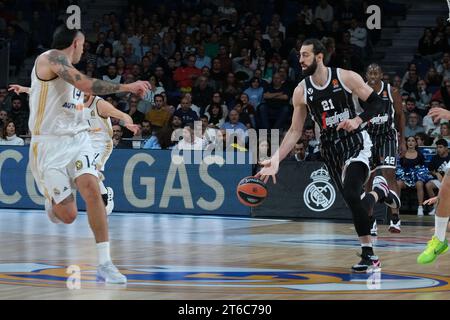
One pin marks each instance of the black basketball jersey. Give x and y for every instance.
(330, 105)
(384, 121)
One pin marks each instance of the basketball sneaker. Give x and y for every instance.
(395, 227)
(390, 198)
(50, 214)
(420, 211)
(434, 248)
(368, 264)
(109, 201)
(110, 274)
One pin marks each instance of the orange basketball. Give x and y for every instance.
(251, 191)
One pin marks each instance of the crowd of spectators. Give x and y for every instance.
(234, 63)
(232, 66)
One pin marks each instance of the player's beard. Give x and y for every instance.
(309, 71)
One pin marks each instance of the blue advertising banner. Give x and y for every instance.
(143, 181)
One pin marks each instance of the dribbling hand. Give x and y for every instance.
(439, 114)
(16, 88)
(270, 169)
(431, 201)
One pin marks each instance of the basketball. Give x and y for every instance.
(251, 191)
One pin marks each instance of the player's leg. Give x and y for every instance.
(85, 175)
(430, 187)
(60, 203)
(389, 175)
(360, 202)
(420, 197)
(438, 243)
(107, 193)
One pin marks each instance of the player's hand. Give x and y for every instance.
(139, 88)
(133, 128)
(431, 201)
(439, 114)
(17, 89)
(349, 124)
(270, 168)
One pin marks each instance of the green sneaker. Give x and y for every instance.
(433, 249)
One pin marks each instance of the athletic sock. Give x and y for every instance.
(440, 224)
(395, 218)
(102, 188)
(367, 249)
(105, 199)
(103, 254)
(380, 194)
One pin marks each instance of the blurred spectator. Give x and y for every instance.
(248, 108)
(433, 78)
(215, 115)
(412, 127)
(358, 36)
(422, 96)
(185, 112)
(117, 138)
(209, 134)
(255, 92)
(324, 12)
(112, 75)
(158, 116)
(185, 76)
(444, 133)
(202, 93)
(299, 153)
(412, 172)
(134, 113)
(19, 115)
(244, 117)
(189, 140)
(275, 105)
(443, 94)
(202, 59)
(192, 106)
(9, 136)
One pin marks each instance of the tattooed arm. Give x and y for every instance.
(59, 64)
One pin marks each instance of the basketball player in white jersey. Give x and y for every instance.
(98, 112)
(61, 155)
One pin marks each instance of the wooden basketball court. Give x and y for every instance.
(195, 257)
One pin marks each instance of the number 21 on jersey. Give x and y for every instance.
(327, 105)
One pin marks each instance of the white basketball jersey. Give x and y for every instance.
(56, 108)
(100, 128)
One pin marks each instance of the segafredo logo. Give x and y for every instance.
(319, 195)
(226, 280)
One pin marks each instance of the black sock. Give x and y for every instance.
(105, 199)
(367, 251)
(380, 194)
(395, 218)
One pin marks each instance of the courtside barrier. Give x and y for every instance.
(143, 181)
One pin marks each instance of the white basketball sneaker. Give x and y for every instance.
(110, 274)
(110, 202)
(51, 215)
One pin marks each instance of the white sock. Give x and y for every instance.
(440, 224)
(103, 255)
(366, 245)
(102, 187)
(419, 207)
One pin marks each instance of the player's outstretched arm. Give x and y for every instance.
(105, 110)
(60, 65)
(439, 114)
(270, 167)
(18, 89)
(356, 84)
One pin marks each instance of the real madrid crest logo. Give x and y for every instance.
(78, 164)
(319, 195)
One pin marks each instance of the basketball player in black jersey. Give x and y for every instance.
(383, 133)
(327, 94)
